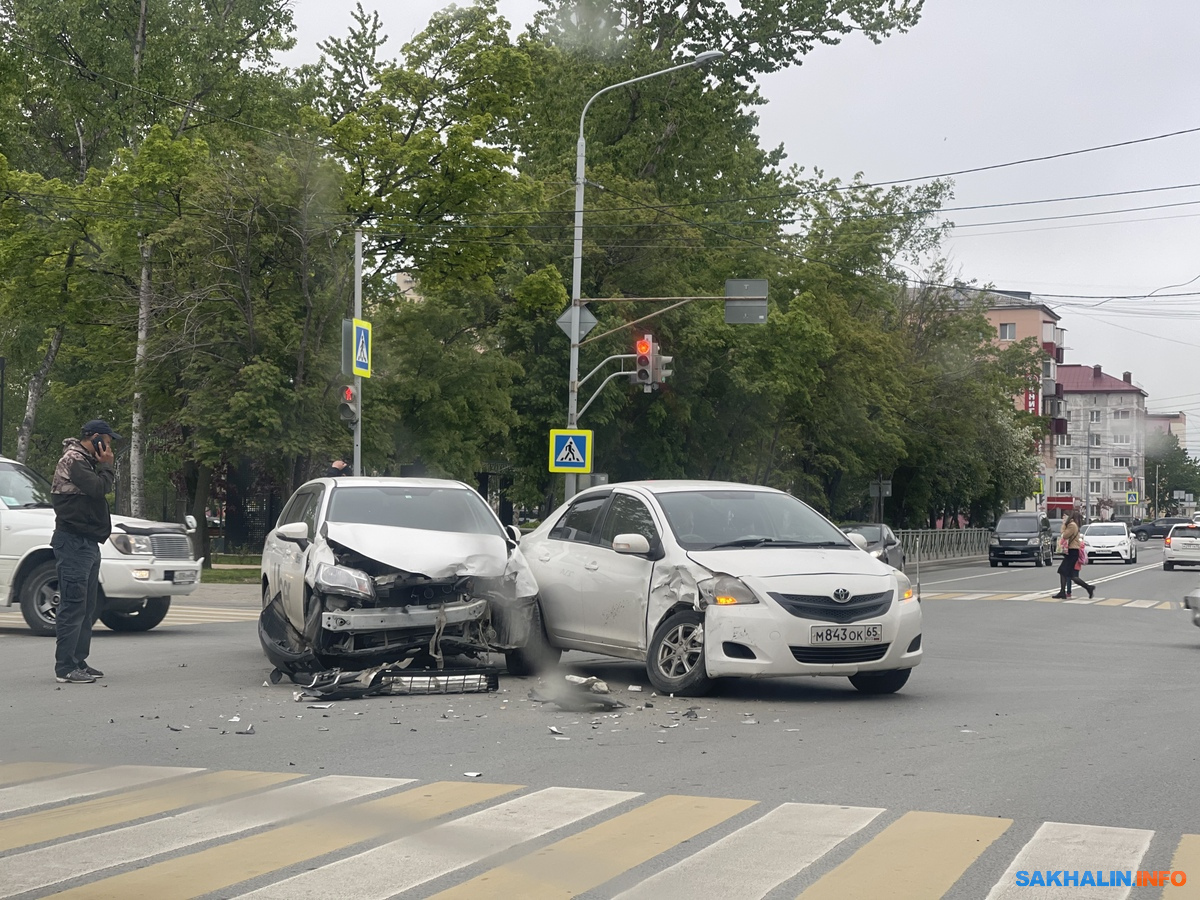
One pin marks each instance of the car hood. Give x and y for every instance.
(1104, 540)
(764, 562)
(438, 555)
(130, 525)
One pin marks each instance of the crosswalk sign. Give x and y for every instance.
(1131, 497)
(570, 450)
(362, 348)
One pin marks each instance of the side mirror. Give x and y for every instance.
(513, 532)
(294, 533)
(190, 523)
(857, 540)
(632, 544)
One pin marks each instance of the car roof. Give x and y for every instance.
(673, 486)
(350, 481)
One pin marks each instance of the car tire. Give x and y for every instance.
(39, 598)
(1004, 563)
(675, 658)
(1039, 560)
(1168, 566)
(142, 619)
(1142, 536)
(880, 682)
(1132, 559)
(537, 655)
(993, 563)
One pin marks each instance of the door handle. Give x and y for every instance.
(592, 566)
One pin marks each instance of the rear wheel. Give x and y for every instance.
(675, 659)
(537, 655)
(1168, 566)
(39, 598)
(880, 682)
(1142, 536)
(142, 619)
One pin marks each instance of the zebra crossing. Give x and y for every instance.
(10, 616)
(170, 833)
(1047, 597)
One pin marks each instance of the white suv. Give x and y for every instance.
(1182, 546)
(142, 565)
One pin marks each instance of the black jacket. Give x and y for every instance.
(78, 493)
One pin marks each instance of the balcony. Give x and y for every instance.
(1058, 426)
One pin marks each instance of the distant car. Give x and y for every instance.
(1056, 526)
(1181, 546)
(882, 542)
(1021, 537)
(1109, 540)
(1158, 528)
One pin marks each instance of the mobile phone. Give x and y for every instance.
(98, 443)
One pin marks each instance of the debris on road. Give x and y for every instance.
(636, 688)
(593, 684)
(554, 729)
(572, 697)
(392, 679)
(473, 774)
(248, 730)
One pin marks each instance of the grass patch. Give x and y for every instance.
(230, 576)
(237, 559)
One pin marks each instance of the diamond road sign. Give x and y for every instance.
(586, 321)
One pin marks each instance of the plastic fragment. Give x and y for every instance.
(320, 705)
(231, 718)
(554, 729)
(473, 774)
(173, 728)
(634, 687)
(248, 730)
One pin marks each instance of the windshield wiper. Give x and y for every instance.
(776, 542)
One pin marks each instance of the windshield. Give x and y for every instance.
(715, 519)
(22, 488)
(1104, 530)
(1017, 525)
(870, 532)
(455, 510)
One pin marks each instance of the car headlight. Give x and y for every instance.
(1033, 542)
(878, 554)
(340, 580)
(994, 542)
(725, 590)
(904, 588)
(132, 543)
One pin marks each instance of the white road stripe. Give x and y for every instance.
(764, 854)
(1142, 604)
(402, 865)
(83, 784)
(38, 869)
(1058, 847)
(1085, 600)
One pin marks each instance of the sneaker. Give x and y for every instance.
(95, 673)
(78, 676)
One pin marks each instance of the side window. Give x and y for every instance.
(294, 509)
(627, 515)
(309, 515)
(581, 521)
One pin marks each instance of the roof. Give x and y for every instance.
(363, 481)
(1084, 380)
(667, 486)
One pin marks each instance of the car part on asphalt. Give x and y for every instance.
(395, 679)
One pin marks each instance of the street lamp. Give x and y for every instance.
(699, 61)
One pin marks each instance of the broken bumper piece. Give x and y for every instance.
(339, 685)
(407, 617)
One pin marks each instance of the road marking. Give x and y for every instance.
(414, 860)
(1126, 572)
(1084, 601)
(584, 861)
(1168, 604)
(84, 784)
(918, 856)
(1057, 846)
(1113, 601)
(1186, 859)
(117, 809)
(38, 869)
(765, 853)
(237, 861)
(1141, 604)
(15, 773)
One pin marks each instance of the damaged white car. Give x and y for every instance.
(361, 572)
(703, 579)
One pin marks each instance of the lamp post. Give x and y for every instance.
(700, 60)
(1156, 512)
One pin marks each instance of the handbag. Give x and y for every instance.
(1082, 561)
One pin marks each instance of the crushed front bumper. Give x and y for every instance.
(358, 621)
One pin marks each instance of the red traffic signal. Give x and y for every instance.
(1129, 480)
(643, 346)
(348, 407)
(347, 394)
(643, 372)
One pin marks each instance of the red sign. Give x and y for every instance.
(1032, 401)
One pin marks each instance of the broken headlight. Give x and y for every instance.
(340, 580)
(725, 590)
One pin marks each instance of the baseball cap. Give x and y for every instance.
(98, 426)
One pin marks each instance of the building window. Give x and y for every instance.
(1093, 487)
(1047, 368)
(1122, 413)
(1008, 331)
(1122, 439)
(1063, 440)
(1094, 510)
(1121, 462)
(1096, 415)
(1093, 462)
(1062, 487)
(1095, 441)
(1118, 486)
(1064, 463)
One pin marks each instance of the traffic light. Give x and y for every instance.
(662, 370)
(348, 407)
(1129, 480)
(643, 372)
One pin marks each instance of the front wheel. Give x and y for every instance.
(1143, 537)
(880, 682)
(675, 659)
(1040, 560)
(537, 655)
(1132, 559)
(142, 619)
(993, 563)
(39, 599)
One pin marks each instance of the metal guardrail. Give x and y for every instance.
(944, 543)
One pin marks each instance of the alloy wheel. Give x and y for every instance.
(681, 650)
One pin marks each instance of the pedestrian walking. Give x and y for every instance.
(1068, 571)
(82, 479)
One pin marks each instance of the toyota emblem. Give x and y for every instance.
(841, 595)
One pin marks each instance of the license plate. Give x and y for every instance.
(1012, 552)
(847, 634)
(185, 576)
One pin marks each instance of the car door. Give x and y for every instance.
(558, 563)
(273, 547)
(615, 587)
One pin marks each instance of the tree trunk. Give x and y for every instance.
(198, 479)
(137, 435)
(37, 387)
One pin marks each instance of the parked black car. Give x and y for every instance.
(1021, 537)
(1158, 527)
(882, 542)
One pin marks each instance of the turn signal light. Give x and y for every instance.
(725, 600)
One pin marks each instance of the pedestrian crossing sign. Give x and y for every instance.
(1131, 497)
(362, 348)
(570, 450)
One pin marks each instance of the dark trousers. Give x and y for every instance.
(78, 562)
(1067, 572)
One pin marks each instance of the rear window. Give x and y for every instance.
(1017, 525)
(1189, 530)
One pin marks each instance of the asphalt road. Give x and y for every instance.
(1024, 709)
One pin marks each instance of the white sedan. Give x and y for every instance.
(1109, 540)
(701, 579)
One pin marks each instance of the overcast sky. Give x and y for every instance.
(983, 83)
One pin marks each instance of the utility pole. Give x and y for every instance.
(358, 266)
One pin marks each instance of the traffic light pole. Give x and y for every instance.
(358, 266)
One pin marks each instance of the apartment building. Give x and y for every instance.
(1099, 463)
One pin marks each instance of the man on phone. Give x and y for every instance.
(82, 479)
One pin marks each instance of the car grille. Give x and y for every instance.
(171, 546)
(829, 655)
(826, 609)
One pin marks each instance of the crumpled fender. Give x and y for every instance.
(670, 588)
(284, 646)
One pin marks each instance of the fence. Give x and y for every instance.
(944, 543)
